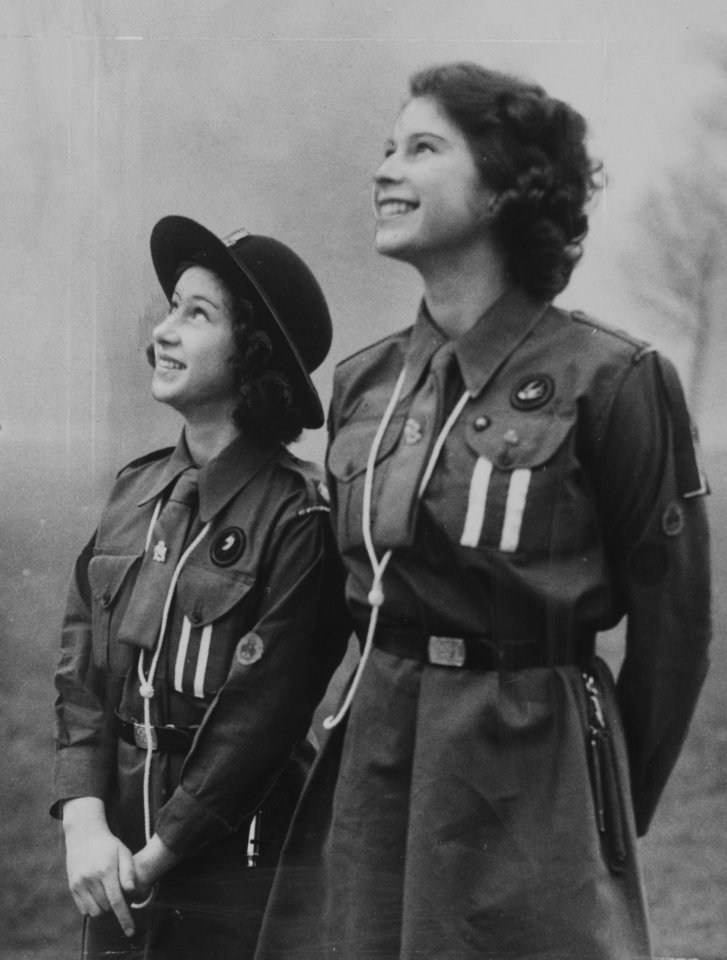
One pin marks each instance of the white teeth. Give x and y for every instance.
(166, 364)
(391, 208)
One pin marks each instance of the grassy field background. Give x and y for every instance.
(684, 855)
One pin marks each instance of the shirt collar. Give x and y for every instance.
(425, 339)
(220, 479)
(483, 349)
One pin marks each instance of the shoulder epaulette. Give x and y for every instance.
(640, 346)
(306, 511)
(314, 478)
(147, 458)
(372, 346)
(305, 468)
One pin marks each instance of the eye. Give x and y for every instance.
(423, 146)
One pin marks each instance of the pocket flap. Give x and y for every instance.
(515, 442)
(106, 574)
(349, 452)
(206, 594)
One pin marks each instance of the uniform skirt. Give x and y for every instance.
(455, 815)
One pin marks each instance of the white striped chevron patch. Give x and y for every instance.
(517, 493)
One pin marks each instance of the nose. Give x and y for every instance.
(389, 170)
(166, 330)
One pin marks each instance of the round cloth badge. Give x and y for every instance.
(532, 392)
(672, 520)
(249, 649)
(227, 547)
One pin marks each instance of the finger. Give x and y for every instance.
(85, 903)
(127, 874)
(120, 909)
(97, 890)
(123, 915)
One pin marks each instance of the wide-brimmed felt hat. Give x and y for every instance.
(287, 301)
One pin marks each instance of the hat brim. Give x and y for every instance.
(176, 239)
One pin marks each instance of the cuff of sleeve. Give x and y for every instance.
(185, 825)
(77, 773)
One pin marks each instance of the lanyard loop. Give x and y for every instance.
(376, 593)
(146, 681)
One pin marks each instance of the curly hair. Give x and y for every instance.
(266, 404)
(530, 149)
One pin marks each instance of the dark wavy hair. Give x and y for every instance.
(530, 149)
(265, 399)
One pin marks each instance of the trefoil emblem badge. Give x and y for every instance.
(160, 552)
(412, 431)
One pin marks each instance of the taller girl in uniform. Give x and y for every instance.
(507, 480)
(203, 620)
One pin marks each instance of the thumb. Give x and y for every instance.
(127, 874)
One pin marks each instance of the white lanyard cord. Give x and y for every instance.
(376, 593)
(146, 682)
(152, 523)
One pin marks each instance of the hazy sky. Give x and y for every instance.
(269, 116)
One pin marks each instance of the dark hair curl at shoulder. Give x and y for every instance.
(266, 403)
(530, 149)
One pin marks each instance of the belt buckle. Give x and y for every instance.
(447, 651)
(140, 737)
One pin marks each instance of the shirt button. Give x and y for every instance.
(196, 617)
(105, 599)
(481, 423)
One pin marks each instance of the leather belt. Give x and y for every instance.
(478, 653)
(167, 739)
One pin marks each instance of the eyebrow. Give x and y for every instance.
(198, 296)
(417, 133)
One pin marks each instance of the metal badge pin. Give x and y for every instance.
(412, 431)
(160, 552)
(481, 423)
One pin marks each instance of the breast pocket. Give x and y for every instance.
(214, 613)
(523, 487)
(108, 575)
(347, 459)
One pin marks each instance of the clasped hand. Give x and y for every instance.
(102, 872)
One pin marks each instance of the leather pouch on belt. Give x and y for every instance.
(603, 771)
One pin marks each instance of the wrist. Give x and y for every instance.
(83, 812)
(153, 860)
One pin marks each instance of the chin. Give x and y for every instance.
(161, 395)
(392, 248)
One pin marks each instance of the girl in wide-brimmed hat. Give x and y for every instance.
(203, 620)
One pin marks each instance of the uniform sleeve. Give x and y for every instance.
(264, 708)
(651, 489)
(84, 742)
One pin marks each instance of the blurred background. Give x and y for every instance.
(272, 117)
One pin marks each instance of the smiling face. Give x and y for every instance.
(429, 198)
(194, 347)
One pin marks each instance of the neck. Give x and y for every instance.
(205, 440)
(458, 292)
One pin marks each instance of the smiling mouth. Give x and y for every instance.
(166, 363)
(394, 208)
